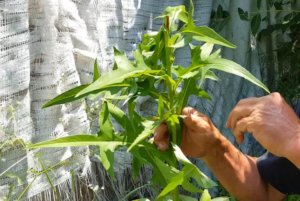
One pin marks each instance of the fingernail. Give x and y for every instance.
(162, 146)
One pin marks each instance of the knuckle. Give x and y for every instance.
(276, 96)
(241, 102)
(187, 110)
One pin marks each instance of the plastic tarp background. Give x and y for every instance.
(49, 46)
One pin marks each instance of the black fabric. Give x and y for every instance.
(280, 172)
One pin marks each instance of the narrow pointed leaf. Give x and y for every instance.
(122, 61)
(66, 97)
(255, 23)
(205, 196)
(174, 126)
(106, 127)
(187, 198)
(175, 13)
(233, 68)
(243, 15)
(139, 59)
(192, 171)
(76, 140)
(172, 185)
(120, 116)
(211, 75)
(160, 107)
(148, 130)
(221, 199)
(164, 172)
(107, 157)
(191, 13)
(96, 73)
(206, 34)
(206, 50)
(116, 77)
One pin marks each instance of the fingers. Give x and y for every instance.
(195, 120)
(188, 111)
(161, 137)
(241, 127)
(243, 109)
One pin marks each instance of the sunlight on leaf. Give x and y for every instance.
(233, 68)
(206, 34)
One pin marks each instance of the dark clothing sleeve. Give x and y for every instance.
(280, 172)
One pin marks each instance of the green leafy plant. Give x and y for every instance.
(154, 74)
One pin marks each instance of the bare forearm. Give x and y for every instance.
(293, 149)
(237, 172)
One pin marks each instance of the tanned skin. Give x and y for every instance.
(270, 120)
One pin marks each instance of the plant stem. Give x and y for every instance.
(133, 191)
(176, 194)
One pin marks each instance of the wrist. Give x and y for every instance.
(293, 152)
(218, 148)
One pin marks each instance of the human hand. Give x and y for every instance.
(272, 122)
(199, 134)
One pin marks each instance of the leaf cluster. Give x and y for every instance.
(154, 74)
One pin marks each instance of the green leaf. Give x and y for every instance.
(66, 97)
(160, 107)
(139, 59)
(233, 68)
(243, 15)
(72, 94)
(195, 55)
(96, 73)
(121, 117)
(14, 176)
(192, 171)
(174, 127)
(211, 75)
(206, 50)
(258, 4)
(164, 172)
(115, 77)
(106, 127)
(189, 88)
(172, 184)
(137, 163)
(221, 199)
(148, 130)
(270, 2)
(215, 54)
(175, 13)
(203, 94)
(206, 34)
(191, 13)
(122, 61)
(180, 40)
(255, 23)
(77, 140)
(205, 196)
(107, 157)
(278, 5)
(187, 198)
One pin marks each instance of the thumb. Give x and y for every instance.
(161, 137)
